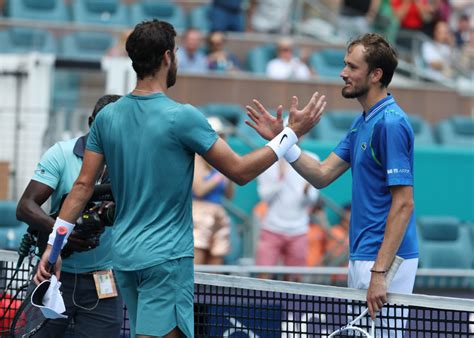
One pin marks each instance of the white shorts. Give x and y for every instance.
(403, 282)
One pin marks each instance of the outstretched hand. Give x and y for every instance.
(302, 121)
(264, 123)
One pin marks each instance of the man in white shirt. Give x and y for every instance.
(284, 232)
(286, 65)
(437, 54)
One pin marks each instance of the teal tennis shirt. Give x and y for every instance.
(149, 144)
(58, 168)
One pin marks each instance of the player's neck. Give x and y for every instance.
(148, 86)
(372, 97)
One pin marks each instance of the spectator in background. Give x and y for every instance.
(269, 16)
(118, 49)
(463, 31)
(337, 245)
(318, 228)
(413, 14)
(357, 16)
(441, 12)
(286, 65)
(284, 232)
(385, 22)
(219, 59)
(227, 15)
(190, 57)
(211, 222)
(438, 54)
(467, 55)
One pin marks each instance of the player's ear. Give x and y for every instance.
(376, 75)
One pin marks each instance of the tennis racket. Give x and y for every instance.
(29, 319)
(351, 326)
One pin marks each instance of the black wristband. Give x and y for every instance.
(377, 271)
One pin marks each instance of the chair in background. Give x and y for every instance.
(327, 63)
(107, 12)
(421, 129)
(444, 243)
(199, 18)
(50, 10)
(161, 10)
(456, 131)
(11, 230)
(258, 57)
(334, 126)
(23, 40)
(85, 46)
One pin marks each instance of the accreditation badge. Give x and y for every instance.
(105, 284)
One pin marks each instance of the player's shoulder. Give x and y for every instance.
(65, 146)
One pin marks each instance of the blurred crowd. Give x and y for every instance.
(438, 33)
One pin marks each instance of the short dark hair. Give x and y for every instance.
(147, 44)
(101, 103)
(378, 54)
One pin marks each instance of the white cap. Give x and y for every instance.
(217, 124)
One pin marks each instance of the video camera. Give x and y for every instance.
(91, 224)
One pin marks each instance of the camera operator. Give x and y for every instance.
(95, 313)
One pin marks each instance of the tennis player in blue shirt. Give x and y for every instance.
(149, 143)
(379, 150)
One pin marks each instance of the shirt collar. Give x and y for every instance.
(80, 146)
(379, 106)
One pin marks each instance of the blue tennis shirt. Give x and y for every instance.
(379, 148)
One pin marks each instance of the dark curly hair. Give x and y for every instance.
(378, 54)
(147, 44)
(101, 103)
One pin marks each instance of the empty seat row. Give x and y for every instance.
(110, 12)
(78, 45)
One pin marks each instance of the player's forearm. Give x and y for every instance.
(30, 212)
(311, 170)
(76, 201)
(397, 222)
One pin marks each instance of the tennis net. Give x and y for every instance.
(231, 306)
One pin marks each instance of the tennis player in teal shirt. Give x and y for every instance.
(149, 143)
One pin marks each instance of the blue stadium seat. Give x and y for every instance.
(23, 40)
(258, 57)
(456, 131)
(11, 230)
(444, 243)
(334, 125)
(108, 12)
(66, 90)
(327, 63)
(199, 18)
(161, 10)
(87, 46)
(233, 113)
(50, 10)
(421, 129)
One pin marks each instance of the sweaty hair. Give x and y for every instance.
(101, 103)
(378, 54)
(147, 45)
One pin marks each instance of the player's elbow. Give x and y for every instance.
(21, 210)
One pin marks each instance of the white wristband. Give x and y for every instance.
(293, 154)
(283, 142)
(60, 222)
